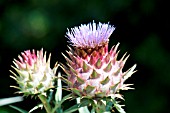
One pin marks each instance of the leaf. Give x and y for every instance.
(82, 109)
(58, 95)
(6, 101)
(57, 105)
(18, 109)
(36, 107)
(77, 107)
(72, 109)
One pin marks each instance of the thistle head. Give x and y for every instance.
(34, 73)
(92, 70)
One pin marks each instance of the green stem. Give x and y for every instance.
(45, 103)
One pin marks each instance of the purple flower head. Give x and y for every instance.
(90, 35)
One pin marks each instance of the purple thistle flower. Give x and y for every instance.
(90, 35)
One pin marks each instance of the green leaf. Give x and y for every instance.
(18, 109)
(82, 109)
(72, 109)
(65, 98)
(76, 107)
(10, 100)
(57, 105)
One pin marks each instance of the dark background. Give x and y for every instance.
(142, 28)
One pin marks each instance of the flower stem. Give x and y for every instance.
(45, 103)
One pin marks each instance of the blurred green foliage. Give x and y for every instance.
(141, 28)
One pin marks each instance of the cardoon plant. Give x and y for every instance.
(94, 75)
